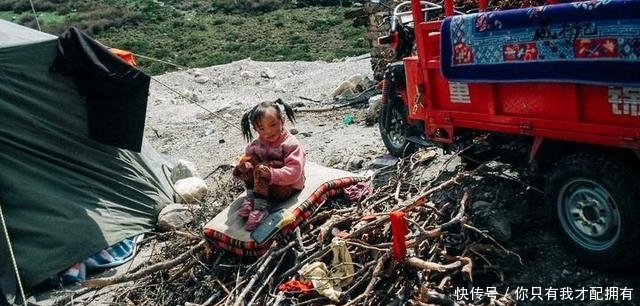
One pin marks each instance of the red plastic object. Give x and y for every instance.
(124, 55)
(398, 233)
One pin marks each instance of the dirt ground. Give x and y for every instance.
(507, 203)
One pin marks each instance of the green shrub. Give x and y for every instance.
(196, 33)
(296, 39)
(218, 21)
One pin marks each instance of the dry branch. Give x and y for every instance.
(438, 224)
(106, 281)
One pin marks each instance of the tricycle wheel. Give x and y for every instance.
(594, 201)
(393, 130)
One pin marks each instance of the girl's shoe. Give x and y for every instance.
(255, 218)
(245, 208)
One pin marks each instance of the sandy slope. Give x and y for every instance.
(207, 132)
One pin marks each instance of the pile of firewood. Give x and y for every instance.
(410, 242)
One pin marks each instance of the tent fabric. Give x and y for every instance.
(64, 195)
(11, 35)
(116, 92)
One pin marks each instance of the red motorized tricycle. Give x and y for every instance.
(562, 80)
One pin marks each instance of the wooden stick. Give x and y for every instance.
(252, 281)
(261, 270)
(279, 298)
(266, 281)
(432, 266)
(106, 281)
(185, 268)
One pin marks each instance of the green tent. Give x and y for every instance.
(75, 174)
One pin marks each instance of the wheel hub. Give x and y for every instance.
(589, 214)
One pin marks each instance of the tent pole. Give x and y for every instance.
(35, 15)
(13, 257)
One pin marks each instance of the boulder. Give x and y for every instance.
(183, 169)
(175, 216)
(190, 190)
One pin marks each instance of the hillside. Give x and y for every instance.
(202, 33)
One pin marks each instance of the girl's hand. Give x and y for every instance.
(244, 165)
(263, 172)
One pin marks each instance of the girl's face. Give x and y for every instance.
(270, 126)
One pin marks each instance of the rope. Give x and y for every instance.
(179, 93)
(198, 104)
(35, 15)
(13, 257)
(159, 60)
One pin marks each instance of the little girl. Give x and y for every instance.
(272, 166)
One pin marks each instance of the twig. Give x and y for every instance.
(494, 241)
(252, 281)
(106, 281)
(329, 108)
(309, 99)
(432, 266)
(279, 298)
(266, 281)
(185, 268)
(258, 273)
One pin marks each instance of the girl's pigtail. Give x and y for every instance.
(245, 126)
(288, 110)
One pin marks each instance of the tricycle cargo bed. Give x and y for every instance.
(606, 115)
(565, 71)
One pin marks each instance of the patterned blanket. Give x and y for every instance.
(592, 42)
(226, 230)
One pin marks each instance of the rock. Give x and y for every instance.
(356, 79)
(344, 86)
(218, 82)
(375, 104)
(201, 79)
(496, 221)
(384, 161)
(190, 190)
(183, 169)
(332, 160)
(246, 74)
(175, 216)
(277, 87)
(196, 72)
(293, 131)
(481, 207)
(355, 163)
(499, 226)
(267, 73)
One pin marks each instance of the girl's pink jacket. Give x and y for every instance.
(284, 156)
